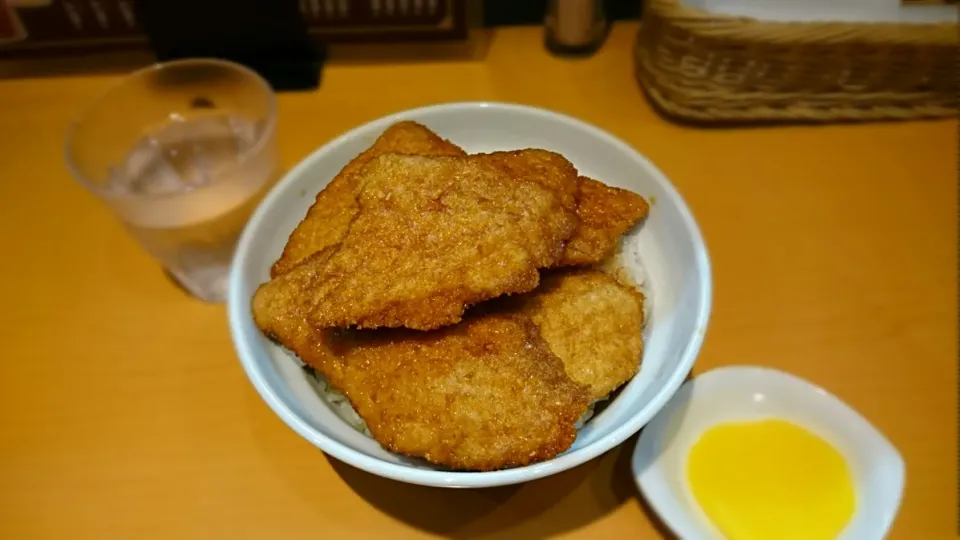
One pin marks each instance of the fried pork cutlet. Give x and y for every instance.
(549, 169)
(606, 213)
(485, 394)
(592, 323)
(328, 219)
(432, 236)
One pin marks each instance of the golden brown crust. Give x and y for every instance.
(406, 240)
(433, 235)
(483, 395)
(605, 214)
(549, 169)
(592, 323)
(280, 306)
(327, 220)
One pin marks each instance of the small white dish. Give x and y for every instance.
(669, 244)
(744, 393)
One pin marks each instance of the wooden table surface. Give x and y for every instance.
(125, 413)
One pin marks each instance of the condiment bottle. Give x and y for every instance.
(575, 26)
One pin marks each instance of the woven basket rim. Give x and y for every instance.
(707, 24)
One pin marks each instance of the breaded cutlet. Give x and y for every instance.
(591, 322)
(499, 389)
(605, 212)
(432, 236)
(549, 169)
(482, 395)
(330, 215)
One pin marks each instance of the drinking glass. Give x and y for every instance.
(181, 152)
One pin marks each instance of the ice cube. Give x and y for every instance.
(245, 132)
(159, 178)
(183, 155)
(146, 171)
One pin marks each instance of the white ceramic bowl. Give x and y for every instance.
(740, 393)
(669, 244)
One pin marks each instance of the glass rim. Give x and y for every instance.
(99, 191)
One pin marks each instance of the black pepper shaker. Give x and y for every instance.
(575, 27)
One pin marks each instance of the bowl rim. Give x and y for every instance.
(646, 465)
(238, 311)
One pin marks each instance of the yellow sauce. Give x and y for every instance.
(770, 479)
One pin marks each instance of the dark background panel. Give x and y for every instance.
(514, 12)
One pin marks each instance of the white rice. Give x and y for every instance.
(587, 415)
(336, 400)
(625, 267)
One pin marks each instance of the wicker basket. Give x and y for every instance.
(706, 68)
